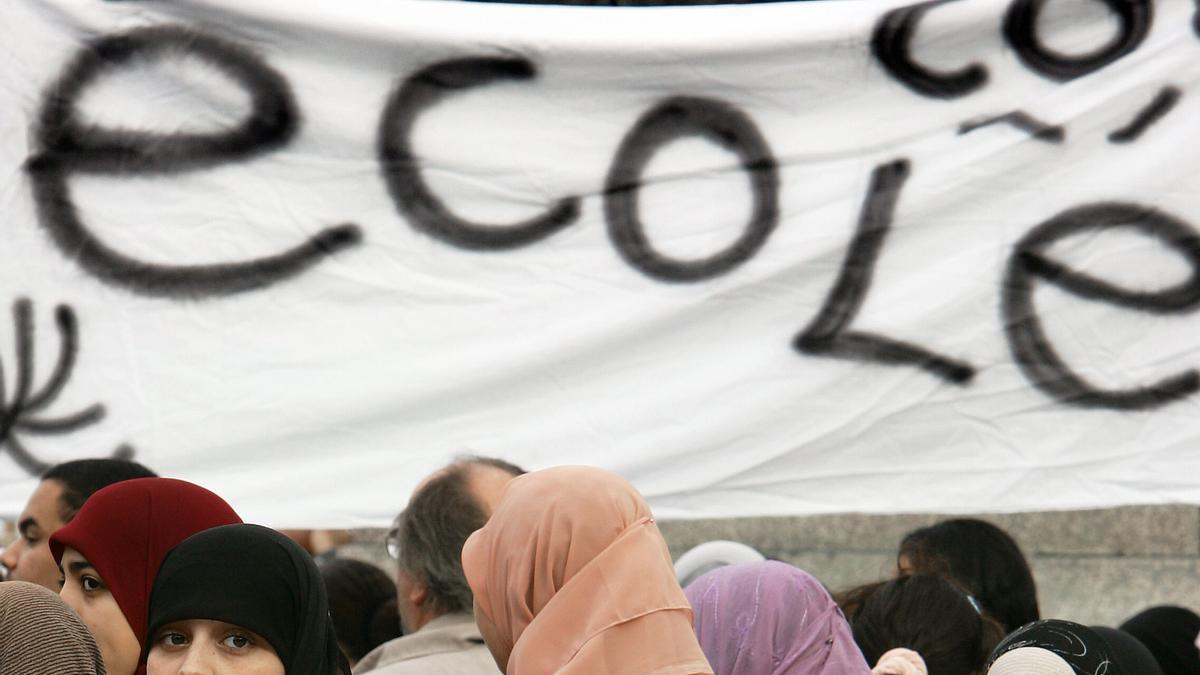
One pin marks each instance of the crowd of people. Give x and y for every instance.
(563, 570)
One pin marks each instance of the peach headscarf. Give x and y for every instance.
(900, 661)
(577, 579)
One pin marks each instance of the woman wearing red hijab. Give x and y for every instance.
(110, 552)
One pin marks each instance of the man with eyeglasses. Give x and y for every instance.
(434, 599)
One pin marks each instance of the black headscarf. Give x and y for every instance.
(1085, 650)
(256, 578)
(1170, 634)
(1127, 652)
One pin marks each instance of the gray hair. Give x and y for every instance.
(431, 533)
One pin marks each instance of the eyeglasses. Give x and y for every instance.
(392, 541)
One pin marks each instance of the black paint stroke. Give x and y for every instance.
(1196, 19)
(1042, 131)
(401, 168)
(827, 334)
(891, 44)
(1148, 116)
(1031, 348)
(673, 119)
(17, 415)
(67, 146)
(1021, 32)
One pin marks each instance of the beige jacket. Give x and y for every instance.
(448, 645)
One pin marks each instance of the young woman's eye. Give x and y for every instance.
(172, 639)
(237, 641)
(90, 584)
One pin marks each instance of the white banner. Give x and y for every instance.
(776, 259)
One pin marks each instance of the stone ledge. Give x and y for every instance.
(1142, 531)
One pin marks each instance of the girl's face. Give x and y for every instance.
(86, 593)
(203, 646)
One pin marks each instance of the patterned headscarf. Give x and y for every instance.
(770, 618)
(1054, 647)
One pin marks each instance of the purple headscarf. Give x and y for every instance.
(770, 618)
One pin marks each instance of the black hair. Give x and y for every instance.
(81, 478)
(981, 557)
(930, 615)
(362, 604)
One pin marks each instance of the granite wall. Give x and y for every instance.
(1095, 567)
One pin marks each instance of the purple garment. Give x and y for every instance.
(770, 618)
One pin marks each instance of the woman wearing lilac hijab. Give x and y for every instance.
(769, 618)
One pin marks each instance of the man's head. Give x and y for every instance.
(55, 501)
(445, 509)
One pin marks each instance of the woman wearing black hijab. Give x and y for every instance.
(1054, 647)
(245, 599)
(1172, 634)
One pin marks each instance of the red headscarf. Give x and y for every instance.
(125, 530)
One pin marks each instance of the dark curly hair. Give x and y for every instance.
(930, 615)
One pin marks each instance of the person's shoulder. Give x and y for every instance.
(462, 663)
(448, 645)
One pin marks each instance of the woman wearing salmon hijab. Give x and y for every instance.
(770, 618)
(572, 576)
(110, 553)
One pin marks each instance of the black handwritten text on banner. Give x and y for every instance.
(781, 259)
(66, 147)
